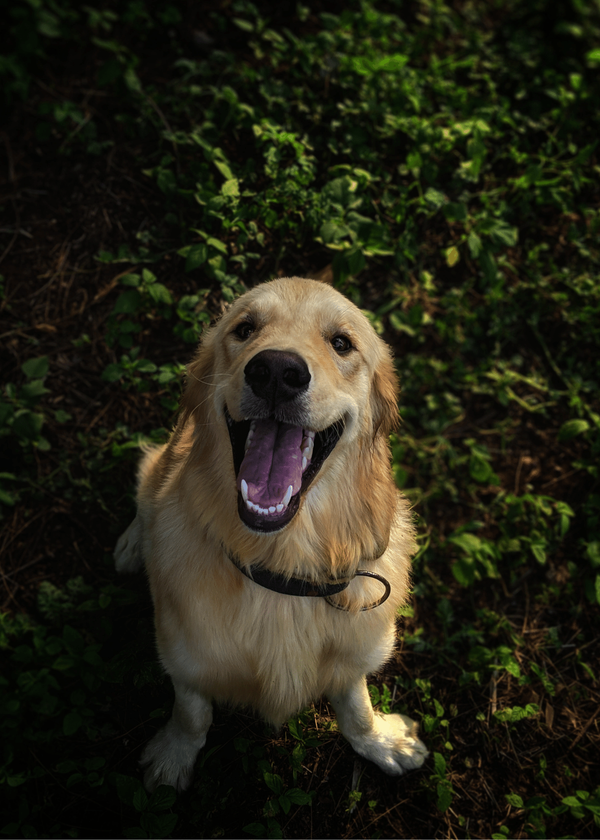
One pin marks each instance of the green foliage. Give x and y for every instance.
(19, 417)
(382, 698)
(153, 821)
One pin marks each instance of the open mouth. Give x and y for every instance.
(274, 465)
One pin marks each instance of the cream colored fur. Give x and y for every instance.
(223, 637)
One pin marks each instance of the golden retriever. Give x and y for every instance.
(271, 529)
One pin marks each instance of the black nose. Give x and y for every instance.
(277, 376)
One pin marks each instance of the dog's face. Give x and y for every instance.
(300, 376)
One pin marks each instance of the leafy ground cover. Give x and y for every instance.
(437, 161)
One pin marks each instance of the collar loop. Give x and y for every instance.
(305, 588)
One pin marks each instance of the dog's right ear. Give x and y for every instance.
(200, 381)
(384, 397)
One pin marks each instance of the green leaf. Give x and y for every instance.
(224, 170)
(159, 825)
(440, 764)
(126, 787)
(66, 767)
(480, 469)
(140, 799)
(274, 782)
(474, 243)
(592, 804)
(464, 571)
(514, 800)
(128, 302)
(488, 267)
(452, 256)
(538, 548)
(195, 256)
(256, 829)
(294, 730)
(468, 542)
(35, 368)
(246, 26)
(63, 663)
(32, 391)
(444, 797)
(28, 425)
(367, 66)
(164, 797)
(231, 187)
(504, 234)
(217, 244)
(455, 212)
(434, 197)
(299, 797)
(73, 639)
(71, 723)
(112, 372)
(135, 833)
(572, 428)
(572, 802)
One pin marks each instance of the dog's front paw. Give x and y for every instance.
(169, 760)
(128, 553)
(392, 744)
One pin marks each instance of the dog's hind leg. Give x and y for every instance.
(128, 553)
(170, 756)
(390, 741)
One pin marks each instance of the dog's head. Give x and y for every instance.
(300, 379)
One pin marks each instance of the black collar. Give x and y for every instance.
(289, 586)
(306, 588)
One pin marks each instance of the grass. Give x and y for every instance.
(437, 161)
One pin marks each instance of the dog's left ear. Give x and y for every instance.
(384, 397)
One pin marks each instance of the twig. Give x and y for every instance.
(585, 728)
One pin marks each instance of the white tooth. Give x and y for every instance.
(252, 426)
(250, 505)
(307, 450)
(288, 495)
(244, 489)
(272, 509)
(279, 508)
(304, 464)
(310, 435)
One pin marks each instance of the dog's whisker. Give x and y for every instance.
(204, 381)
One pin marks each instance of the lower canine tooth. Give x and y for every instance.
(288, 495)
(244, 489)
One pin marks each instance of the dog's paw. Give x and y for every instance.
(128, 553)
(169, 759)
(392, 744)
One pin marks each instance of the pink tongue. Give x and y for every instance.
(272, 462)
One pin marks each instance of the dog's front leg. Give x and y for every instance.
(388, 740)
(169, 757)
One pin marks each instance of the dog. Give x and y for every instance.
(271, 529)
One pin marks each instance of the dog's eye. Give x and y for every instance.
(341, 344)
(244, 330)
